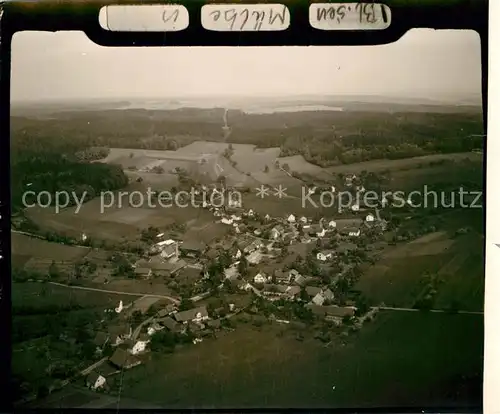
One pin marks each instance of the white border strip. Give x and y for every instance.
(491, 402)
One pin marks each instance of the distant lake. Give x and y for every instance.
(249, 109)
(298, 108)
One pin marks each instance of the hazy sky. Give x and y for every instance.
(66, 65)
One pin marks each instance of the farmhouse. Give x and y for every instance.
(158, 267)
(254, 257)
(95, 381)
(189, 274)
(318, 299)
(155, 327)
(122, 359)
(322, 297)
(260, 278)
(170, 324)
(249, 244)
(291, 218)
(300, 280)
(166, 311)
(195, 315)
(277, 232)
(283, 277)
(168, 249)
(140, 346)
(325, 255)
(292, 292)
(312, 291)
(231, 272)
(293, 274)
(119, 334)
(354, 232)
(143, 272)
(191, 248)
(332, 313)
(274, 290)
(370, 218)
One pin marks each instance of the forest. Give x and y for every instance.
(56, 151)
(324, 138)
(59, 165)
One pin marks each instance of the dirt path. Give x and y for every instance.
(175, 300)
(430, 310)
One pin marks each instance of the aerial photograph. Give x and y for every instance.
(247, 227)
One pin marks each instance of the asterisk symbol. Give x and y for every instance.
(262, 191)
(280, 192)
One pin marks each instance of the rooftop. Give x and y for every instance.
(190, 314)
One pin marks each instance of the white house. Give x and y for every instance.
(321, 233)
(140, 346)
(226, 221)
(260, 278)
(319, 299)
(328, 294)
(324, 256)
(95, 381)
(275, 233)
(291, 218)
(370, 218)
(119, 308)
(250, 213)
(238, 254)
(332, 224)
(355, 207)
(267, 217)
(169, 248)
(156, 327)
(355, 233)
(235, 217)
(303, 219)
(254, 257)
(311, 191)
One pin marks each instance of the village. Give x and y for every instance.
(292, 270)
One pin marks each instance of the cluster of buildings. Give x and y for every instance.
(271, 246)
(129, 347)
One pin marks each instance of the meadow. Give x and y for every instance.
(401, 359)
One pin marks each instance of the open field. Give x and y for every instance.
(26, 246)
(40, 295)
(464, 282)
(397, 282)
(256, 368)
(121, 220)
(401, 164)
(396, 279)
